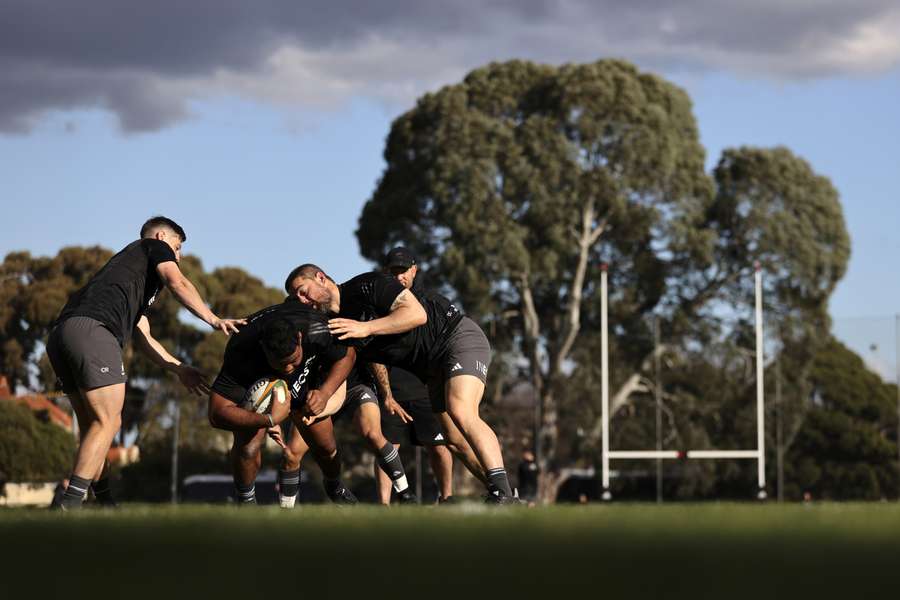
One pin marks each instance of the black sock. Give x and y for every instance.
(102, 492)
(289, 482)
(73, 497)
(389, 460)
(246, 494)
(498, 481)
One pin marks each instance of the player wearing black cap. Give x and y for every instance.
(428, 336)
(87, 339)
(415, 423)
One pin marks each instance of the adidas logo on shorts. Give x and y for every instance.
(438, 438)
(365, 396)
(456, 367)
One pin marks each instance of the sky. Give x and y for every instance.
(260, 126)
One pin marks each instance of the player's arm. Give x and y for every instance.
(317, 400)
(190, 298)
(193, 380)
(383, 383)
(406, 313)
(226, 414)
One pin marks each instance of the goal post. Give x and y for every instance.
(758, 454)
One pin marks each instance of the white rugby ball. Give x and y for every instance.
(263, 393)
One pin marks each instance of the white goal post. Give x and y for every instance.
(758, 454)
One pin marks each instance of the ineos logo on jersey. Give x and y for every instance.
(301, 380)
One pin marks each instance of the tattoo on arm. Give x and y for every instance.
(402, 299)
(382, 379)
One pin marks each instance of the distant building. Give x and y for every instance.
(42, 406)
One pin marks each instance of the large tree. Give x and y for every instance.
(515, 184)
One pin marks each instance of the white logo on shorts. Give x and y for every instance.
(365, 396)
(480, 366)
(456, 367)
(438, 438)
(104, 369)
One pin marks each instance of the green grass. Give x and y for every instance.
(720, 551)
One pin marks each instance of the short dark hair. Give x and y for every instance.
(279, 338)
(161, 221)
(307, 271)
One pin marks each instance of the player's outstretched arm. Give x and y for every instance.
(383, 381)
(406, 313)
(190, 298)
(191, 378)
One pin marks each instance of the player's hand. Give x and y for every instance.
(193, 380)
(275, 434)
(228, 326)
(315, 403)
(394, 408)
(347, 329)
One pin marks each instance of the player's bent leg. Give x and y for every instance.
(383, 484)
(442, 466)
(289, 473)
(463, 398)
(101, 409)
(246, 457)
(460, 448)
(319, 436)
(367, 419)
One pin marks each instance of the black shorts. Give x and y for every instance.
(468, 353)
(85, 355)
(425, 429)
(356, 396)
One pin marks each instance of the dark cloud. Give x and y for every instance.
(145, 61)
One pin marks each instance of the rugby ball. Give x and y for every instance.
(263, 393)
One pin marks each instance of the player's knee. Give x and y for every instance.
(110, 422)
(250, 450)
(463, 416)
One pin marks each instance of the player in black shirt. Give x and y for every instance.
(86, 342)
(289, 341)
(416, 423)
(427, 335)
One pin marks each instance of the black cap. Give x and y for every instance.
(399, 257)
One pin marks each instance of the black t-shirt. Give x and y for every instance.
(245, 361)
(370, 296)
(123, 290)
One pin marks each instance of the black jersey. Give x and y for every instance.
(123, 290)
(245, 361)
(370, 296)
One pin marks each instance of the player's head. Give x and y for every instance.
(312, 286)
(401, 263)
(165, 230)
(282, 345)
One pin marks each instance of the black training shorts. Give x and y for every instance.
(468, 353)
(85, 355)
(425, 429)
(356, 396)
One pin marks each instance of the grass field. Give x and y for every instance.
(720, 551)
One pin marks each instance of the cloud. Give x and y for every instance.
(147, 61)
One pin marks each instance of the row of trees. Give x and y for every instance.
(512, 187)
(516, 183)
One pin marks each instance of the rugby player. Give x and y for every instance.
(86, 342)
(361, 405)
(415, 423)
(431, 338)
(289, 341)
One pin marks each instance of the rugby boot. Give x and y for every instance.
(341, 496)
(497, 497)
(406, 497)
